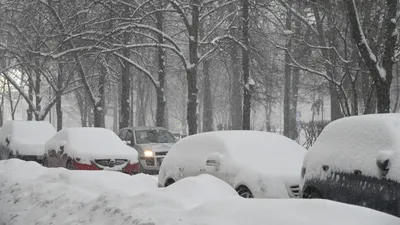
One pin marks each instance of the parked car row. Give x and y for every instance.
(355, 160)
(133, 150)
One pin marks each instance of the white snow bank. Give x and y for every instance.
(26, 137)
(31, 194)
(355, 143)
(91, 143)
(286, 212)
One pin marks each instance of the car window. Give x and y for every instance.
(129, 136)
(122, 134)
(154, 136)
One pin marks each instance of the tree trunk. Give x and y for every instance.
(396, 103)
(82, 108)
(293, 109)
(207, 95)
(160, 112)
(336, 111)
(125, 86)
(115, 108)
(236, 97)
(2, 106)
(381, 68)
(59, 112)
(132, 105)
(99, 106)
(268, 112)
(246, 66)
(38, 97)
(192, 68)
(286, 88)
(30, 110)
(207, 99)
(383, 96)
(10, 99)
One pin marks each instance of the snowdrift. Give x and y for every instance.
(31, 194)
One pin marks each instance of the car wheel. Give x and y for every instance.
(69, 165)
(314, 195)
(169, 182)
(244, 192)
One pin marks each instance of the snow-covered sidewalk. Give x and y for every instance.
(31, 194)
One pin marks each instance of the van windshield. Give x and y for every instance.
(154, 136)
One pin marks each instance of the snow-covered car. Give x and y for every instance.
(256, 164)
(25, 139)
(151, 143)
(356, 160)
(88, 148)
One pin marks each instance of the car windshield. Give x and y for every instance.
(154, 136)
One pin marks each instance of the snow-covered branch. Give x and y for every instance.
(299, 16)
(140, 68)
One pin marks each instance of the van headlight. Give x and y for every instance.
(148, 153)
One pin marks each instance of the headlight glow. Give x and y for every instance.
(148, 153)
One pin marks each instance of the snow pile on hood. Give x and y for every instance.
(27, 137)
(31, 194)
(91, 143)
(355, 143)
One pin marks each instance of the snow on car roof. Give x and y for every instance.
(37, 131)
(261, 151)
(353, 143)
(27, 137)
(91, 143)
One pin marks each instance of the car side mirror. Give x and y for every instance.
(213, 160)
(128, 142)
(383, 161)
(62, 145)
(8, 138)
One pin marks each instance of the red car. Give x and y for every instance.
(88, 148)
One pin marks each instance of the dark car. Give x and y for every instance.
(356, 160)
(151, 143)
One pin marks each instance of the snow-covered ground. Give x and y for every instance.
(31, 194)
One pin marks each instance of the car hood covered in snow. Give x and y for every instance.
(59, 196)
(91, 143)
